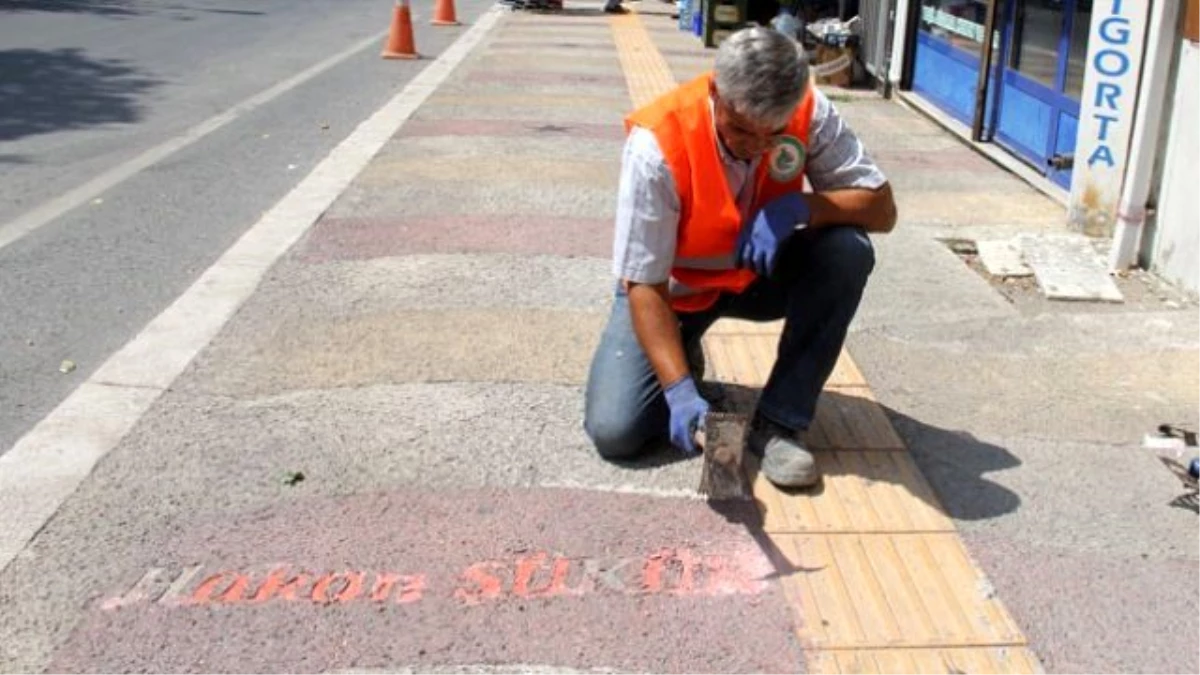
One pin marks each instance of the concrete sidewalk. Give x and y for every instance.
(419, 357)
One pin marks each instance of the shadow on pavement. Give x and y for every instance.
(956, 464)
(236, 12)
(110, 8)
(748, 514)
(115, 8)
(46, 91)
(655, 455)
(1189, 501)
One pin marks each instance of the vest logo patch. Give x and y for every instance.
(787, 159)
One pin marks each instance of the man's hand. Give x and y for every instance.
(760, 239)
(688, 409)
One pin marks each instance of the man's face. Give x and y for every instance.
(744, 137)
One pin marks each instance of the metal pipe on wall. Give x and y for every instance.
(1161, 41)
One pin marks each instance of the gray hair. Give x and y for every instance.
(762, 74)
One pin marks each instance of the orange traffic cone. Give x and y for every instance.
(400, 40)
(443, 14)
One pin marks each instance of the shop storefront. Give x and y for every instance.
(1098, 97)
(1031, 95)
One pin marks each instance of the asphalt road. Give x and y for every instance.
(194, 117)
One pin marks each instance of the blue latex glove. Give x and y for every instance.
(688, 410)
(760, 239)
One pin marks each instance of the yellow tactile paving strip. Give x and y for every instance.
(646, 71)
(880, 581)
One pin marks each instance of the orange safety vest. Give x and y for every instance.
(709, 221)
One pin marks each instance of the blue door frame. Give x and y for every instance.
(1050, 117)
(1033, 120)
(954, 88)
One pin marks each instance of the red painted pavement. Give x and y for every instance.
(334, 239)
(571, 579)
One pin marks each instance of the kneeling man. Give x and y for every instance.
(714, 220)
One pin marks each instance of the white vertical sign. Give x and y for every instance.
(1110, 88)
(899, 35)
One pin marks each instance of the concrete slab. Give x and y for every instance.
(914, 181)
(452, 435)
(1068, 267)
(322, 351)
(515, 30)
(591, 46)
(1002, 258)
(360, 238)
(518, 99)
(457, 129)
(987, 231)
(540, 85)
(388, 171)
(884, 132)
(572, 18)
(686, 71)
(440, 282)
(422, 199)
(1113, 398)
(1096, 612)
(1035, 489)
(1058, 335)
(978, 208)
(949, 160)
(504, 76)
(517, 113)
(897, 296)
(518, 62)
(550, 143)
(534, 54)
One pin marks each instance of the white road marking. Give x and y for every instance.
(626, 489)
(52, 209)
(47, 464)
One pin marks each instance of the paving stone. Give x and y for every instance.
(1067, 267)
(1002, 258)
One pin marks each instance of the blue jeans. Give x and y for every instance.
(816, 289)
